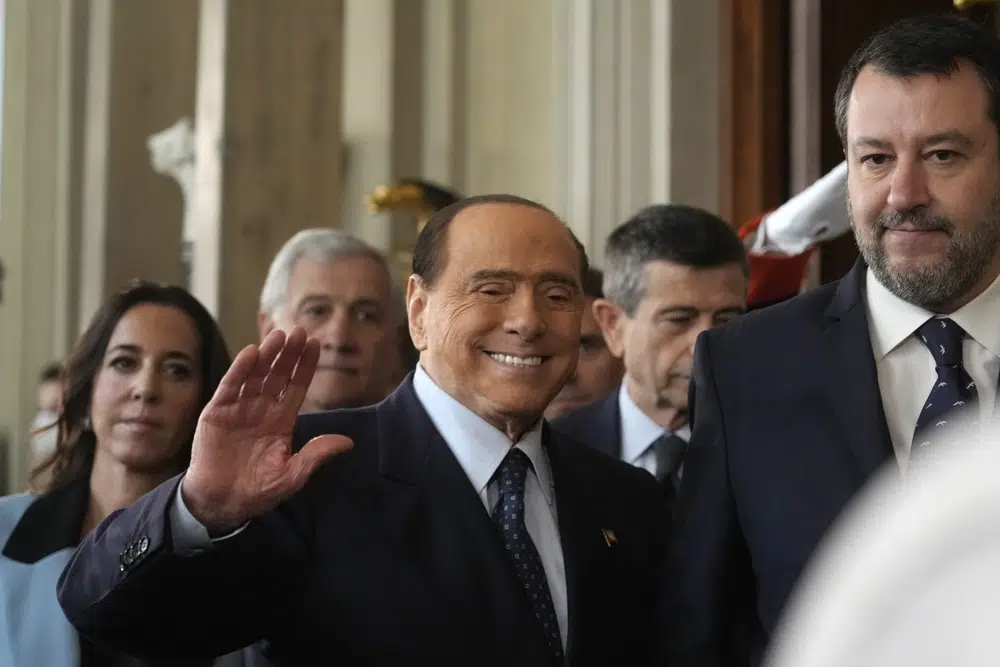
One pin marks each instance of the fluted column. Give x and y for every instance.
(44, 53)
(636, 110)
(268, 153)
(140, 80)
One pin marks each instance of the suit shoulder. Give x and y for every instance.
(771, 326)
(352, 422)
(609, 472)
(578, 419)
(594, 424)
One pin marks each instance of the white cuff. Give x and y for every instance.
(817, 214)
(190, 537)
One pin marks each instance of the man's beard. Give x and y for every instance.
(964, 263)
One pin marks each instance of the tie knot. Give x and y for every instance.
(670, 449)
(944, 339)
(513, 472)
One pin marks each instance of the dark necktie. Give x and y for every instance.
(954, 390)
(669, 450)
(508, 515)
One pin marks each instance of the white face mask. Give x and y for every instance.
(44, 442)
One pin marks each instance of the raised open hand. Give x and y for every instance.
(241, 459)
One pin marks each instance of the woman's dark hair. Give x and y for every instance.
(74, 453)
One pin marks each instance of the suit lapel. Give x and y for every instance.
(581, 521)
(610, 422)
(453, 538)
(852, 378)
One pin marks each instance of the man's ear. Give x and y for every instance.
(265, 324)
(611, 319)
(416, 308)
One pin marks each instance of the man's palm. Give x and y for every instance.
(242, 463)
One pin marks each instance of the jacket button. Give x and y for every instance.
(143, 545)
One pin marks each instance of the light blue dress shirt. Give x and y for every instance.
(638, 432)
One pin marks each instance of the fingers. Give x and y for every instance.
(241, 368)
(284, 364)
(298, 384)
(316, 452)
(273, 344)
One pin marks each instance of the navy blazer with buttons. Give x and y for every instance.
(386, 557)
(38, 534)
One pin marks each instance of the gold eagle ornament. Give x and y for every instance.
(412, 197)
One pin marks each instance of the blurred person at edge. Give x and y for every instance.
(132, 391)
(43, 432)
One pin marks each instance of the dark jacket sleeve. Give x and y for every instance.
(707, 600)
(126, 587)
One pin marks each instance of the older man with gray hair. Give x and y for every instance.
(342, 291)
(670, 273)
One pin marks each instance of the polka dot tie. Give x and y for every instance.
(508, 515)
(954, 389)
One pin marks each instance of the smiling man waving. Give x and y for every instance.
(457, 529)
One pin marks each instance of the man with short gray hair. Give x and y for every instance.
(670, 272)
(340, 290)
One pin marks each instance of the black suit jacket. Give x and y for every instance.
(788, 426)
(387, 557)
(597, 424)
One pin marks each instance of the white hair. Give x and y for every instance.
(322, 246)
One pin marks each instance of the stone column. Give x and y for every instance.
(636, 109)
(267, 144)
(44, 57)
(141, 79)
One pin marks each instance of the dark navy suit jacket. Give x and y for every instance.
(598, 425)
(387, 557)
(788, 426)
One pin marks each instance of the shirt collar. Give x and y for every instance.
(478, 445)
(638, 429)
(893, 319)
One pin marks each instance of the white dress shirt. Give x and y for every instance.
(639, 432)
(906, 368)
(480, 449)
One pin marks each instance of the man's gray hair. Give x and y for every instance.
(324, 246)
(673, 233)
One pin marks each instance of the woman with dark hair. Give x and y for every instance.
(134, 387)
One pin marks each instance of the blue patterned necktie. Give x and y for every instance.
(508, 515)
(954, 389)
